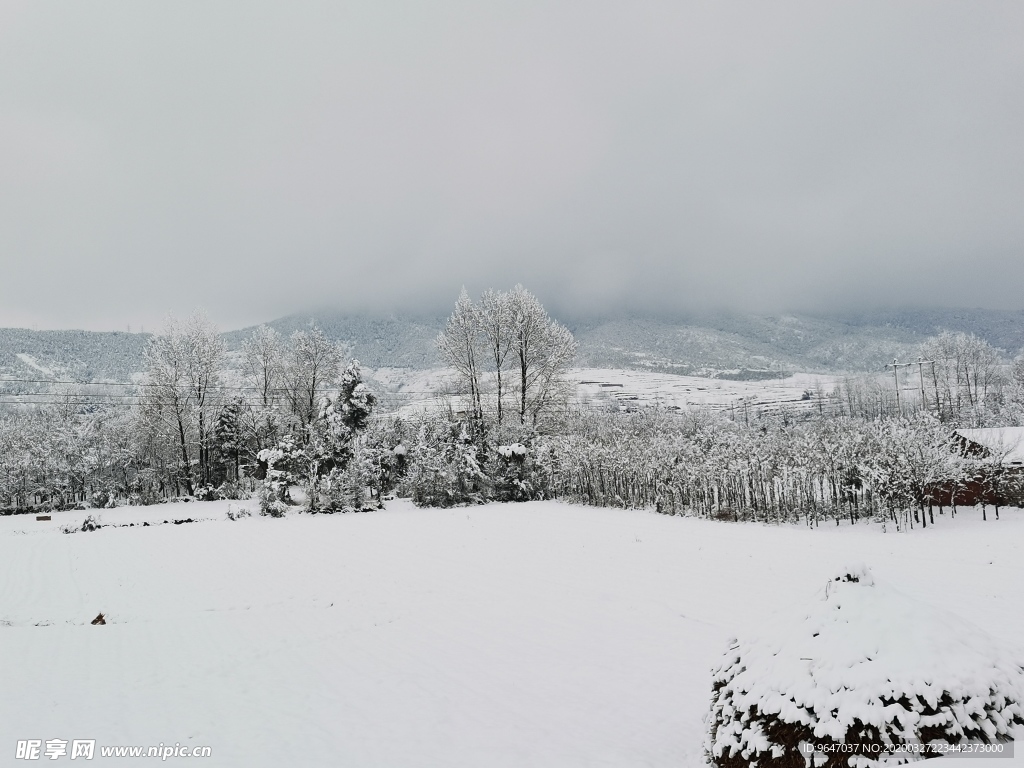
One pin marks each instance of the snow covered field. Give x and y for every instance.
(413, 391)
(646, 388)
(539, 634)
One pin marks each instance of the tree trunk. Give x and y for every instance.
(185, 467)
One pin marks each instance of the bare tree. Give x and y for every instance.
(460, 345)
(543, 350)
(263, 355)
(312, 364)
(203, 363)
(966, 374)
(496, 323)
(182, 368)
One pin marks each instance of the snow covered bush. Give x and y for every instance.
(344, 489)
(233, 490)
(517, 473)
(271, 504)
(865, 672)
(331, 439)
(238, 514)
(383, 453)
(100, 499)
(444, 467)
(206, 493)
(282, 463)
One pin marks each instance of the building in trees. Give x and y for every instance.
(999, 476)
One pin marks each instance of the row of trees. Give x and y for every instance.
(894, 470)
(959, 378)
(287, 411)
(820, 469)
(61, 453)
(190, 424)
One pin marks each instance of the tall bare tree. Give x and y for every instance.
(312, 364)
(967, 371)
(263, 354)
(543, 350)
(182, 371)
(496, 324)
(461, 346)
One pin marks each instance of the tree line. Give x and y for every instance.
(190, 425)
(289, 418)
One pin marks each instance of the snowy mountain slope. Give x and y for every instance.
(78, 355)
(539, 634)
(730, 344)
(395, 341)
(724, 345)
(742, 346)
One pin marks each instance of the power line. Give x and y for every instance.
(145, 384)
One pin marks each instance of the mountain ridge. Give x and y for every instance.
(727, 344)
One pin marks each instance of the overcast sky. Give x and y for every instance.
(259, 158)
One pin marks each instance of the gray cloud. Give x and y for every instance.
(261, 158)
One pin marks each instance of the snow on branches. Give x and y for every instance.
(863, 675)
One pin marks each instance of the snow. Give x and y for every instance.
(31, 362)
(1004, 442)
(852, 655)
(413, 391)
(667, 390)
(539, 634)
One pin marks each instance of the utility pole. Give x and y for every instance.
(896, 365)
(920, 379)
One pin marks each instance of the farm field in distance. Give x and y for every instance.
(619, 388)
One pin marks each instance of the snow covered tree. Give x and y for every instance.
(228, 438)
(318, 455)
(332, 444)
(263, 356)
(312, 363)
(384, 448)
(966, 375)
(263, 364)
(498, 329)
(508, 332)
(182, 372)
(444, 466)
(460, 345)
(542, 349)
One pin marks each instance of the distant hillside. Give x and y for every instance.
(1000, 328)
(394, 342)
(731, 345)
(746, 343)
(72, 355)
(742, 345)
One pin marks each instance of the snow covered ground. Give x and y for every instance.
(412, 391)
(539, 634)
(645, 389)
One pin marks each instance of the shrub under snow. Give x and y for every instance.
(865, 665)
